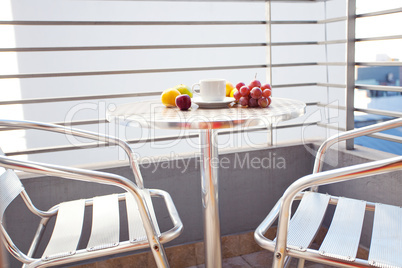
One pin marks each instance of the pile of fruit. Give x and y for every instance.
(253, 95)
(179, 96)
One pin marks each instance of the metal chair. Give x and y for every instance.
(340, 245)
(104, 238)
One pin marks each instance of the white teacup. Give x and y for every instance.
(211, 89)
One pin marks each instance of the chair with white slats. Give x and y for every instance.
(66, 234)
(340, 245)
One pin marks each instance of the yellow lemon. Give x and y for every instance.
(229, 88)
(168, 97)
(232, 92)
(183, 89)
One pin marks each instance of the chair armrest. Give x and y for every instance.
(72, 173)
(351, 134)
(80, 133)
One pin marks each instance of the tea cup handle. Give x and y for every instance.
(193, 88)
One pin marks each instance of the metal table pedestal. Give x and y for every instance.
(209, 192)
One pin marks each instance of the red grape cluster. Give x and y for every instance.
(253, 95)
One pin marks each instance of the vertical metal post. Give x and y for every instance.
(268, 37)
(350, 70)
(209, 192)
(270, 135)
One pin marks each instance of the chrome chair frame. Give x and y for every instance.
(282, 209)
(136, 189)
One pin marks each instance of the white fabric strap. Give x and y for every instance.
(10, 188)
(105, 231)
(386, 242)
(307, 220)
(343, 237)
(135, 224)
(67, 230)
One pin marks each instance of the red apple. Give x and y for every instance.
(183, 102)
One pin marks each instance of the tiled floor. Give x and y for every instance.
(238, 251)
(260, 259)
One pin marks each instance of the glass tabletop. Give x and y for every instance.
(153, 113)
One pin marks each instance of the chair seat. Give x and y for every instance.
(105, 227)
(342, 239)
(341, 243)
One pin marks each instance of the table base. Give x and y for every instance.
(209, 192)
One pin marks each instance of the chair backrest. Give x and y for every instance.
(10, 188)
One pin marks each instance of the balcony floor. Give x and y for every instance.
(258, 259)
(238, 251)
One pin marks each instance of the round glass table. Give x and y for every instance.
(153, 114)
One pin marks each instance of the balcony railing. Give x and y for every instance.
(70, 61)
(268, 35)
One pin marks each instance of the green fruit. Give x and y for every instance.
(183, 89)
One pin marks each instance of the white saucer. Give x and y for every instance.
(213, 104)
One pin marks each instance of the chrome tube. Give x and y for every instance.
(81, 133)
(209, 191)
(84, 254)
(313, 255)
(35, 210)
(174, 216)
(267, 223)
(37, 237)
(323, 178)
(350, 135)
(12, 248)
(153, 139)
